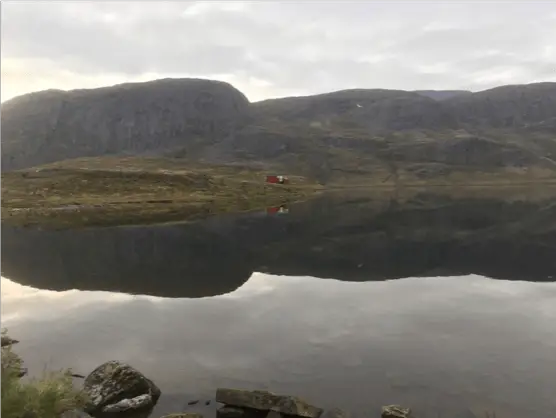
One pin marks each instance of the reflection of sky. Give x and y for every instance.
(320, 338)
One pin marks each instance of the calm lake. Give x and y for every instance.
(440, 301)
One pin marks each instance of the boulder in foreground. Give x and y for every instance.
(116, 387)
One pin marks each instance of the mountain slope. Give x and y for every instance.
(332, 136)
(442, 94)
(506, 106)
(133, 118)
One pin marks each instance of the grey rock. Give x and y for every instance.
(395, 411)
(267, 401)
(291, 405)
(139, 402)
(114, 382)
(230, 412)
(256, 399)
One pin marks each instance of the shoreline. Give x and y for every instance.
(134, 191)
(117, 390)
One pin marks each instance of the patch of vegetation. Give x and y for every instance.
(45, 397)
(110, 191)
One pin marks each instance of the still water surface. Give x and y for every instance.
(305, 303)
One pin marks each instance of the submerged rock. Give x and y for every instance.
(267, 401)
(231, 412)
(291, 405)
(116, 387)
(395, 411)
(256, 399)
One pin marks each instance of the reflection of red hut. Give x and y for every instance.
(277, 179)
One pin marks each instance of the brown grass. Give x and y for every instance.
(134, 191)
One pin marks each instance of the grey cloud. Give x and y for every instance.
(301, 46)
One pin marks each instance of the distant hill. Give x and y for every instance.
(332, 136)
(442, 94)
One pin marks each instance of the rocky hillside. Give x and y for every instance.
(442, 94)
(333, 136)
(130, 118)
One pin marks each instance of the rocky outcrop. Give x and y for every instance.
(115, 387)
(243, 403)
(395, 411)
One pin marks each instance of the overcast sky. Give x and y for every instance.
(273, 49)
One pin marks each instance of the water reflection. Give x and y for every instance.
(442, 345)
(351, 237)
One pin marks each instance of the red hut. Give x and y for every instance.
(277, 179)
(277, 209)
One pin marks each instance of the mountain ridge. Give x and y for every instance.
(328, 136)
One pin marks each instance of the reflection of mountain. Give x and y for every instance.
(164, 261)
(352, 238)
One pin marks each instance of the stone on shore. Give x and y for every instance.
(116, 387)
(267, 401)
(232, 412)
(138, 403)
(395, 411)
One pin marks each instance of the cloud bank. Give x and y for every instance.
(274, 49)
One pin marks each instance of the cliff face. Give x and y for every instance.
(129, 118)
(355, 131)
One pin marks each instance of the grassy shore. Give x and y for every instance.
(94, 192)
(127, 191)
(45, 397)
